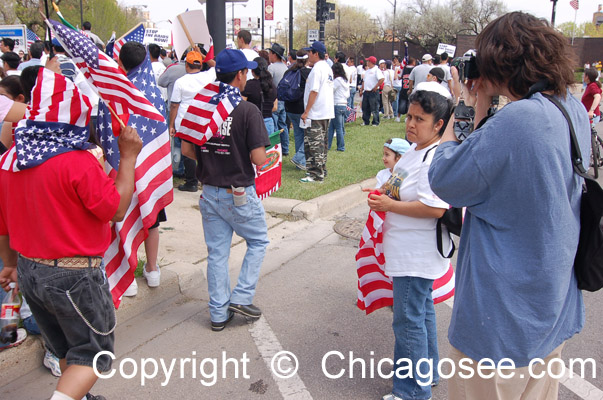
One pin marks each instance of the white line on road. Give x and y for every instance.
(268, 345)
(580, 386)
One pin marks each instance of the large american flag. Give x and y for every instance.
(375, 288)
(154, 189)
(104, 75)
(31, 37)
(574, 4)
(56, 121)
(210, 107)
(136, 34)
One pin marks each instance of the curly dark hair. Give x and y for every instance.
(517, 50)
(265, 78)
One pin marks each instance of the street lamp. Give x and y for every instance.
(232, 6)
(393, 25)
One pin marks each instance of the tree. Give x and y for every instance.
(104, 15)
(355, 26)
(426, 23)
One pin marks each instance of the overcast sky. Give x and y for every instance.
(162, 10)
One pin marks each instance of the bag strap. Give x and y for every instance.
(439, 240)
(427, 152)
(576, 154)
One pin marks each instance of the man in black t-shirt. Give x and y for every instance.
(403, 104)
(229, 201)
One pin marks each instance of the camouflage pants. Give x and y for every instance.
(315, 147)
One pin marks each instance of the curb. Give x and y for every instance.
(323, 206)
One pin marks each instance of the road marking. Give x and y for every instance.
(268, 346)
(580, 386)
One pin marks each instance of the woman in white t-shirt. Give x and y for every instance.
(409, 242)
(341, 93)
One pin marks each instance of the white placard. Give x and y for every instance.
(448, 48)
(312, 36)
(160, 37)
(17, 33)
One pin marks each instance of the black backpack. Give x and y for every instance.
(289, 88)
(452, 220)
(588, 263)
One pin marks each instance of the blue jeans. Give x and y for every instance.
(337, 125)
(280, 122)
(351, 98)
(269, 122)
(396, 103)
(416, 337)
(177, 162)
(298, 134)
(220, 219)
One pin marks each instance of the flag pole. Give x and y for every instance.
(187, 33)
(114, 114)
(574, 30)
(51, 53)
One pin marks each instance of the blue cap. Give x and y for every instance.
(230, 60)
(398, 145)
(318, 47)
(55, 42)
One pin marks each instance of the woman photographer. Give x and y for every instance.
(410, 246)
(516, 295)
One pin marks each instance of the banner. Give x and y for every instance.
(237, 25)
(269, 10)
(17, 33)
(160, 37)
(447, 48)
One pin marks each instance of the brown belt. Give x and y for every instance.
(69, 262)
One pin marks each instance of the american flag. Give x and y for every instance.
(56, 121)
(574, 4)
(375, 288)
(136, 34)
(104, 75)
(110, 45)
(31, 37)
(210, 107)
(154, 189)
(351, 114)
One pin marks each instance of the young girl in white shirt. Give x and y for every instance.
(392, 151)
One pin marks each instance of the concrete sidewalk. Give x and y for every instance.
(183, 252)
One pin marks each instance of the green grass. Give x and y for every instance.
(360, 160)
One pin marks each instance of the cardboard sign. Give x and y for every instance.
(160, 37)
(447, 48)
(18, 34)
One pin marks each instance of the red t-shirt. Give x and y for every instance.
(61, 208)
(589, 95)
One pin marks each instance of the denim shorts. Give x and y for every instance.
(74, 310)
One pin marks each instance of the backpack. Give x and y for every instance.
(289, 88)
(588, 263)
(452, 220)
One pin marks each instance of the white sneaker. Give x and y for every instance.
(397, 119)
(52, 363)
(132, 290)
(152, 277)
(392, 396)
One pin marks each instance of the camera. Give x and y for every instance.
(463, 120)
(467, 67)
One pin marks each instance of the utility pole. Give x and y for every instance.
(216, 10)
(338, 30)
(554, 11)
(290, 25)
(324, 12)
(263, 15)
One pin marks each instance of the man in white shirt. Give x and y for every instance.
(158, 67)
(185, 90)
(352, 74)
(319, 110)
(373, 78)
(419, 73)
(86, 30)
(447, 81)
(244, 44)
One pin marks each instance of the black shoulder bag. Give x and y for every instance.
(452, 220)
(588, 264)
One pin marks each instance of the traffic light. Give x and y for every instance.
(324, 10)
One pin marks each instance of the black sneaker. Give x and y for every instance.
(250, 310)
(91, 397)
(219, 326)
(188, 188)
